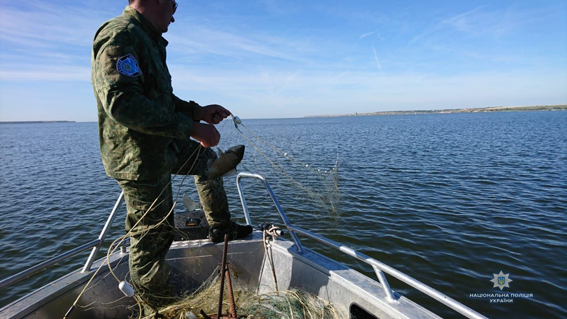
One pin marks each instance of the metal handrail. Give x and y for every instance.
(95, 245)
(103, 233)
(274, 199)
(379, 267)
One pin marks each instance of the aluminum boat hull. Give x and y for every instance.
(192, 262)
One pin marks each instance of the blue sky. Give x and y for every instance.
(273, 59)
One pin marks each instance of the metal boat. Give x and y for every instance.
(352, 294)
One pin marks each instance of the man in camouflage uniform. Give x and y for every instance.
(144, 132)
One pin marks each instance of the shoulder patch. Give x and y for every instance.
(128, 66)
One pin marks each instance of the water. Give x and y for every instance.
(450, 199)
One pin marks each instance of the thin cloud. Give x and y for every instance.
(484, 23)
(366, 35)
(332, 90)
(41, 24)
(46, 74)
(467, 21)
(291, 60)
(205, 41)
(37, 43)
(459, 21)
(376, 58)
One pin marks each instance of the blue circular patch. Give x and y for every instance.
(127, 65)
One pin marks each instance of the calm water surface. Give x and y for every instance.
(450, 199)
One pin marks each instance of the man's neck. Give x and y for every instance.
(147, 13)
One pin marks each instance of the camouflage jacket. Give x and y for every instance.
(139, 117)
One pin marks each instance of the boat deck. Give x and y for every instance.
(192, 262)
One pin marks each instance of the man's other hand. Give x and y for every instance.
(212, 114)
(207, 134)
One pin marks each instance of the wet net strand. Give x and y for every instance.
(312, 186)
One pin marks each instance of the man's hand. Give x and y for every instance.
(207, 134)
(211, 114)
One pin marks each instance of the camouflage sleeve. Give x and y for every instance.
(123, 97)
(184, 106)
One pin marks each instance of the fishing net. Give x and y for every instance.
(316, 187)
(285, 304)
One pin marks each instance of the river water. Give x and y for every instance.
(449, 199)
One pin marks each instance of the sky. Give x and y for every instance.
(286, 59)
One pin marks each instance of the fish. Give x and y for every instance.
(226, 162)
(189, 204)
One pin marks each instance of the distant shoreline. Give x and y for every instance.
(560, 107)
(32, 122)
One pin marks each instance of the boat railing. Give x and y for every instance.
(95, 245)
(379, 268)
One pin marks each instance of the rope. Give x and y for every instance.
(112, 248)
(274, 232)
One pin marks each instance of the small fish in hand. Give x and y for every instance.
(226, 162)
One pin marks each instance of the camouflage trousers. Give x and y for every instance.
(151, 223)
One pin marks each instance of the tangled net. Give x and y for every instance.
(285, 305)
(317, 188)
